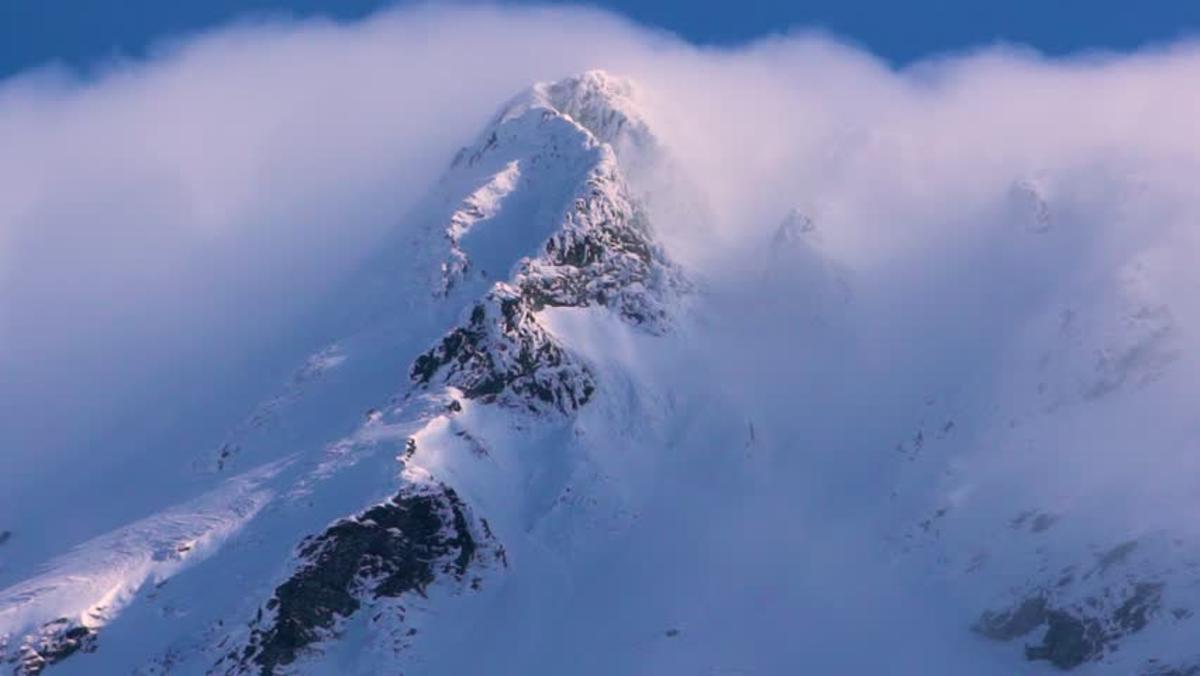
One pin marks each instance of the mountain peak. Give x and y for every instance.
(553, 152)
(605, 105)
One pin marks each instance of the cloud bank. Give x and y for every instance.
(996, 222)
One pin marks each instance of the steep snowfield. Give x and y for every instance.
(543, 446)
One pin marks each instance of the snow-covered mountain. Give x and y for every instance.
(546, 446)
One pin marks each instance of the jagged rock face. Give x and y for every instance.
(574, 141)
(548, 220)
(604, 255)
(600, 253)
(515, 179)
(502, 354)
(1078, 633)
(398, 547)
(53, 642)
(1074, 606)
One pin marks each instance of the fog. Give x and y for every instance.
(992, 239)
(168, 226)
(171, 229)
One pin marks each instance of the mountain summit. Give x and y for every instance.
(444, 480)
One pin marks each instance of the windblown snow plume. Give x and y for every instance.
(565, 347)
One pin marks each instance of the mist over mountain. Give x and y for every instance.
(476, 340)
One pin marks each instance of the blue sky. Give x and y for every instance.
(80, 31)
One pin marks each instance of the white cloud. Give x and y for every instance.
(165, 226)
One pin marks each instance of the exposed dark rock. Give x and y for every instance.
(397, 547)
(1020, 519)
(1038, 522)
(1043, 522)
(5, 535)
(502, 354)
(1069, 641)
(1074, 634)
(1134, 613)
(53, 642)
(1013, 623)
(224, 454)
(1116, 555)
(604, 255)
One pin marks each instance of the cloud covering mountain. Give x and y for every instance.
(935, 372)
